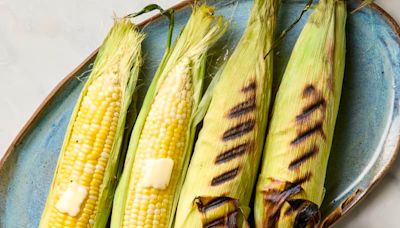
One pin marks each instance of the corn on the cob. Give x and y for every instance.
(84, 181)
(223, 169)
(290, 187)
(163, 135)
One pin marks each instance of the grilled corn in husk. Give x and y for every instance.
(223, 169)
(290, 188)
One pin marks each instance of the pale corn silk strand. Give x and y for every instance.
(362, 5)
(163, 136)
(89, 148)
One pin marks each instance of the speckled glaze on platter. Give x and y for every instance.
(366, 138)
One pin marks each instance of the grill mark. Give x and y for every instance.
(217, 202)
(243, 108)
(307, 111)
(279, 196)
(224, 177)
(228, 221)
(296, 163)
(302, 136)
(294, 206)
(276, 199)
(215, 223)
(303, 179)
(308, 215)
(232, 153)
(308, 90)
(239, 130)
(250, 87)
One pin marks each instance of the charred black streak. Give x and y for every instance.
(243, 108)
(308, 110)
(275, 199)
(224, 177)
(214, 203)
(250, 87)
(294, 205)
(228, 221)
(219, 211)
(302, 136)
(303, 179)
(239, 130)
(276, 196)
(308, 213)
(232, 153)
(310, 89)
(296, 163)
(308, 217)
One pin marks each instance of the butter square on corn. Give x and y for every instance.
(157, 172)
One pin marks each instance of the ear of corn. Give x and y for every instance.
(84, 181)
(164, 132)
(291, 185)
(224, 166)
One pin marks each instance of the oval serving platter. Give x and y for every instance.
(367, 132)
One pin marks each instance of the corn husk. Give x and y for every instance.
(224, 166)
(290, 188)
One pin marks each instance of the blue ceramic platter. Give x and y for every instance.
(366, 137)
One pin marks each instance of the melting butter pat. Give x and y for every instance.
(71, 200)
(157, 172)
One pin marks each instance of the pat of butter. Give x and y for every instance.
(157, 173)
(71, 200)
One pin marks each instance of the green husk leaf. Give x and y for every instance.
(201, 31)
(246, 65)
(290, 188)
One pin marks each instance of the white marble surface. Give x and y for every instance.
(41, 41)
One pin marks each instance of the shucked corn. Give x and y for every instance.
(224, 166)
(93, 139)
(163, 135)
(291, 185)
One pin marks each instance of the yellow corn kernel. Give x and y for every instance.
(163, 136)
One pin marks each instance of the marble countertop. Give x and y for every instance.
(41, 41)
